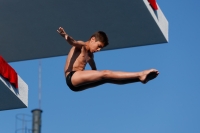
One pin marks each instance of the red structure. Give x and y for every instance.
(8, 72)
(153, 4)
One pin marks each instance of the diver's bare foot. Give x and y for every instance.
(148, 75)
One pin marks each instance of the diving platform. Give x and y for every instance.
(28, 28)
(13, 90)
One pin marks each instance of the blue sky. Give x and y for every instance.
(168, 104)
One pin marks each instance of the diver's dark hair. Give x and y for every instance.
(101, 36)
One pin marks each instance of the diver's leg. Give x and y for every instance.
(80, 78)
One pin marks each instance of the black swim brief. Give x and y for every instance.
(69, 82)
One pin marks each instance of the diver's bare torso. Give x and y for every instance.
(77, 59)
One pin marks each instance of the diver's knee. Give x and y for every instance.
(106, 74)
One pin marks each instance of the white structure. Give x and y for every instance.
(12, 98)
(28, 28)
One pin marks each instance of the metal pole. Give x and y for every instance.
(36, 126)
(40, 83)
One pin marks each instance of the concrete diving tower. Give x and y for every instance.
(28, 28)
(28, 31)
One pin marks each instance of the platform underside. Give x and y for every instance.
(12, 98)
(28, 28)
